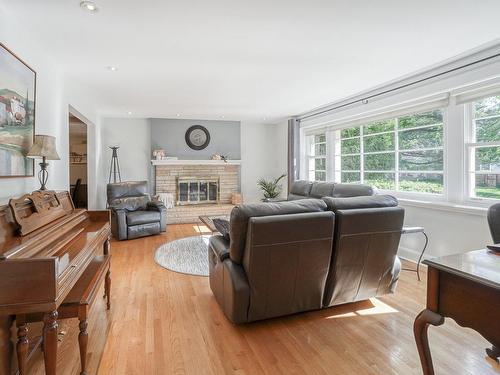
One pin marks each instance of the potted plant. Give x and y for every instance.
(270, 188)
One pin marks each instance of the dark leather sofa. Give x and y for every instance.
(133, 213)
(301, 189)
(308, 254)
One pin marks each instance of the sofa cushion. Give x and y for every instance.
(301, 187)
(353, 190)
(130, 203)
(126, 189)
(142, 217)
(241, 214)
(143, 230)
(322, 189)
(294, 197)
(350, 203)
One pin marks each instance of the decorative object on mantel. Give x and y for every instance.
(45, 148)
(271, 188)
(236, 198)
(188, 255)
(218, 156)
(159, 154)
(197, 137)
(17, 115)
(114, 168)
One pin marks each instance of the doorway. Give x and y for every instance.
(78, 173)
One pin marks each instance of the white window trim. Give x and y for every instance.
(468, 145)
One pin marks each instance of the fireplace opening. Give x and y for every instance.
(197, 190)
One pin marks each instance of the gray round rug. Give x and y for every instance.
(188, 255)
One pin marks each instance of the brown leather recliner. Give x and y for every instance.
(277, 261)
(294, 256)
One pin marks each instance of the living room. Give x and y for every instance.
(253, 187)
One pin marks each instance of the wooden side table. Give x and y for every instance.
(410, 230)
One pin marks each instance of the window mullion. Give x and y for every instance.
(361, 155)
(396, 153)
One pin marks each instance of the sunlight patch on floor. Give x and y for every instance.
(201, 228)
(375, 307)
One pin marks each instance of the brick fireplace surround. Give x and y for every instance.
(167, 172)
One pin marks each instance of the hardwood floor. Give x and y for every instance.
(163, 322)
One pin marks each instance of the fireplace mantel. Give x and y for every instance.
(195, 162)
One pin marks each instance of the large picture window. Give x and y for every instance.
(483, 149)
(401, 154)
(316, 156)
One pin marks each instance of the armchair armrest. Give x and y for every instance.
(219, 247)
(160, 207)
(119, 223)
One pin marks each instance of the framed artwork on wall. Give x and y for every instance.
(17, 115)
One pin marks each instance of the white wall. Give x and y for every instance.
(53, 97)
(263, 155)
(134, 155)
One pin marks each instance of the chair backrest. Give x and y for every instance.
(130, 195)
(494, 222)
(301, 189)
(76, 189)
(241, 214)
(366, 241)
(286, 262)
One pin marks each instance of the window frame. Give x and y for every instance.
(396, 152)
(310, 157)
(469, 146)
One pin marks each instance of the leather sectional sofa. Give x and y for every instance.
(306, 254)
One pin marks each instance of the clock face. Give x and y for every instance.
(197, 137)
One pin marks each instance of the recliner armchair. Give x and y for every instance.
(133, 213)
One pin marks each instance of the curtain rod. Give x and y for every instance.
(365, 99)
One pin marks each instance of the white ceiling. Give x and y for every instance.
(250, 59)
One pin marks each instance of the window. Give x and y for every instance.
(316, 157)
(402, 154)
(483, 149)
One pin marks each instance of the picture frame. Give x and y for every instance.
(17, 115)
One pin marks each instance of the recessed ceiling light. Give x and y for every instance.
(178, 115)
(222, 116)
(112, 68)
(89, 6)
(129, 113)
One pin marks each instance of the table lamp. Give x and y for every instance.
(44, 147)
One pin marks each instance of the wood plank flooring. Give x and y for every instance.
(163, 322)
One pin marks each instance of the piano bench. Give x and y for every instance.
(79, 300)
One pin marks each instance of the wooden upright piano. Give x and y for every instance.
(47, 249)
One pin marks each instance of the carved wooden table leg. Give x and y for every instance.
(82, 343)
(107, 289)
(420, 327)
(50, 342)
(22, 346)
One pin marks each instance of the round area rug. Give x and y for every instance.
(188, 255)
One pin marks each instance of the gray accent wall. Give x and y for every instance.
(168, 134)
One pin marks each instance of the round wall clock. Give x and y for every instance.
(197, 137)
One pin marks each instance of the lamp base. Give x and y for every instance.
(43, 174)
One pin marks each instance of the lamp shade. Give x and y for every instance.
(44, 146)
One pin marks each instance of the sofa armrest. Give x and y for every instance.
(160, 207)
(119, 223)
(219, 247)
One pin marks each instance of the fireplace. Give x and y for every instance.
(197, 190)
